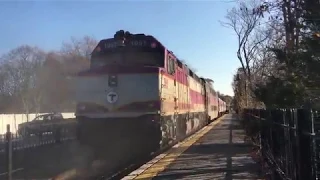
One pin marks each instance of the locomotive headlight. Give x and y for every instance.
(113, 80)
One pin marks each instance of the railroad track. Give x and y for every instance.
(141, 161)
(138, 163)
(121, 172)
(125, 170)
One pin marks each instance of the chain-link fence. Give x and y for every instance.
(288, 141)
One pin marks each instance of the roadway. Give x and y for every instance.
(218, 151)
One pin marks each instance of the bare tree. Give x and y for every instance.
(247, 22)
(21, 65)
(5, 95)
(53, 81)
(76, 53)
(79, 46)
(29, 77)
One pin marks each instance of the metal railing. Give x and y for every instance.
(288, 140)
(13, 145)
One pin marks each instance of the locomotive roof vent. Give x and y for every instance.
(121, 34)
(141, 34)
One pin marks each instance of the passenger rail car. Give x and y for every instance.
(138, 96)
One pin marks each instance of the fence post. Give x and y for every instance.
(313, 145)
(306, 131)
(9, 152)
(292, 147)
(298, 159)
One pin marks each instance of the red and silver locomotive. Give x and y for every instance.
(138, 96)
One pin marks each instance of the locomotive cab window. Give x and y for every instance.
(136, 51)
(179, 63)
(170, 65)
(129, 58)
(190, 73)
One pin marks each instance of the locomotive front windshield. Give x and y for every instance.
(141, 52)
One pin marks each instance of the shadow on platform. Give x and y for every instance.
(220, 154)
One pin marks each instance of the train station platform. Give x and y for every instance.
(217, 151)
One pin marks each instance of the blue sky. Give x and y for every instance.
(191, 29)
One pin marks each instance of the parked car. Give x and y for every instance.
(50, 122)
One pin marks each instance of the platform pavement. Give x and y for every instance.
(217, 152)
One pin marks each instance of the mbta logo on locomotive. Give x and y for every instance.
(112, 97)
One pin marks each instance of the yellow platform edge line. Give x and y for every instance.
(172, 154)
